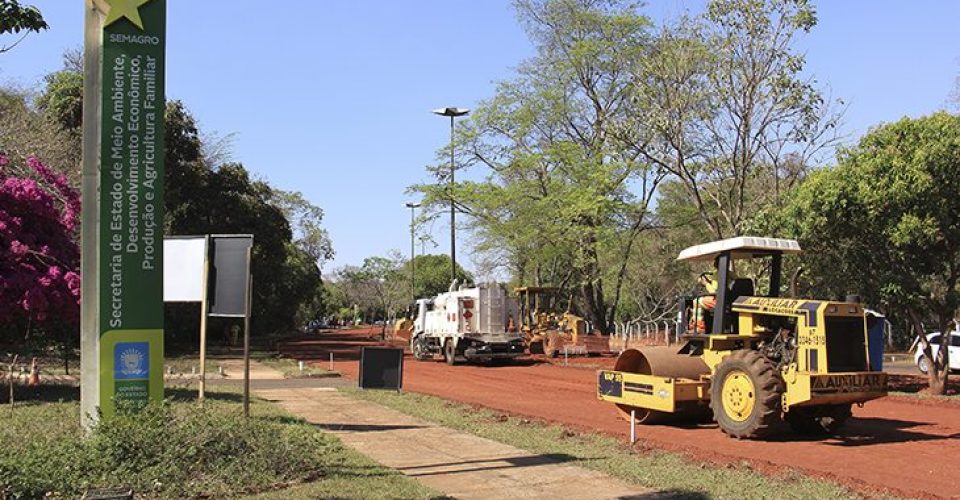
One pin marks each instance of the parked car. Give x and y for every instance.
(934, 339)
(314, 326)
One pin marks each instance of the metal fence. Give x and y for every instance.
(626, 334)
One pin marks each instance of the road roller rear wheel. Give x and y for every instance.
(745, 395)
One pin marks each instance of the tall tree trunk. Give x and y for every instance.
(937, 366)
(592, 290)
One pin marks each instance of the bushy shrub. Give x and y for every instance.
(165, 450)
(39, 257)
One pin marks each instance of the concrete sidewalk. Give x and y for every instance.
(457, 464)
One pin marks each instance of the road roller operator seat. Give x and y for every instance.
(741, 287)
(729, 287)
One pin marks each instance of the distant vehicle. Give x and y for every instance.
(934, 339)
(314, 326)
(467, 324)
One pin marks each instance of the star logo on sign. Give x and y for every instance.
(117, 9)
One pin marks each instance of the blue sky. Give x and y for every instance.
(333, 98)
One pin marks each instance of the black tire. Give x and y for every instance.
(450, 352)
(819, 420)
(755, 388)
(535, 347)
(418, 349)
(922, 365)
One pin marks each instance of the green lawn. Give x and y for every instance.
(651, 468)
(184, 450)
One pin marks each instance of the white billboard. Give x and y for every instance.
(183, 258)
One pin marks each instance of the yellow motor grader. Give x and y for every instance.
(547, 330)
(763, 360)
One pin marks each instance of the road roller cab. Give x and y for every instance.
(763, 361)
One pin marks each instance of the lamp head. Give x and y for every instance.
(451, 111)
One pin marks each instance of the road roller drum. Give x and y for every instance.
(662, 362)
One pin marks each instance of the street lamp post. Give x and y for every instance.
(452, 113)
(413, 265)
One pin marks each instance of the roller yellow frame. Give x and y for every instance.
(765, 354)
(807, 381)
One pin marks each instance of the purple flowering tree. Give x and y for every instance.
(39, 256)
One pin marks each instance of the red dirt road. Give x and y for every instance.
(895, 444)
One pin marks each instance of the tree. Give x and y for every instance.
(722, 103)
(885, 222)
(377, 286)
(62, 99)
(432, 275)
(227, 201)
(305, 218)
(27, 131)
(200, 197)
(39, 257)
(16, 19)
(566, 193)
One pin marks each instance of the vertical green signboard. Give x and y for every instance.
(131, 175)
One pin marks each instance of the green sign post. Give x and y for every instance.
(128, 242)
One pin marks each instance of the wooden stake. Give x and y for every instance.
(203, 321)
(10, 377)
(246, 337)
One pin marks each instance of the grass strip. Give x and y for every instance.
(182, 449)
(674, 474)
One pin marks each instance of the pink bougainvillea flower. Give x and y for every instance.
(39, 256)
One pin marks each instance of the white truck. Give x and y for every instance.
(467, 324)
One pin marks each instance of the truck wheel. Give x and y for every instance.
(450, 352)
(535, 346)
(419, 349)
(745, 395)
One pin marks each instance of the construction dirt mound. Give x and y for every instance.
(904, 445)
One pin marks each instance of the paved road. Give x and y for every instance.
(902, 366)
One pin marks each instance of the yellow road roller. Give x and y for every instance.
(752, 362)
